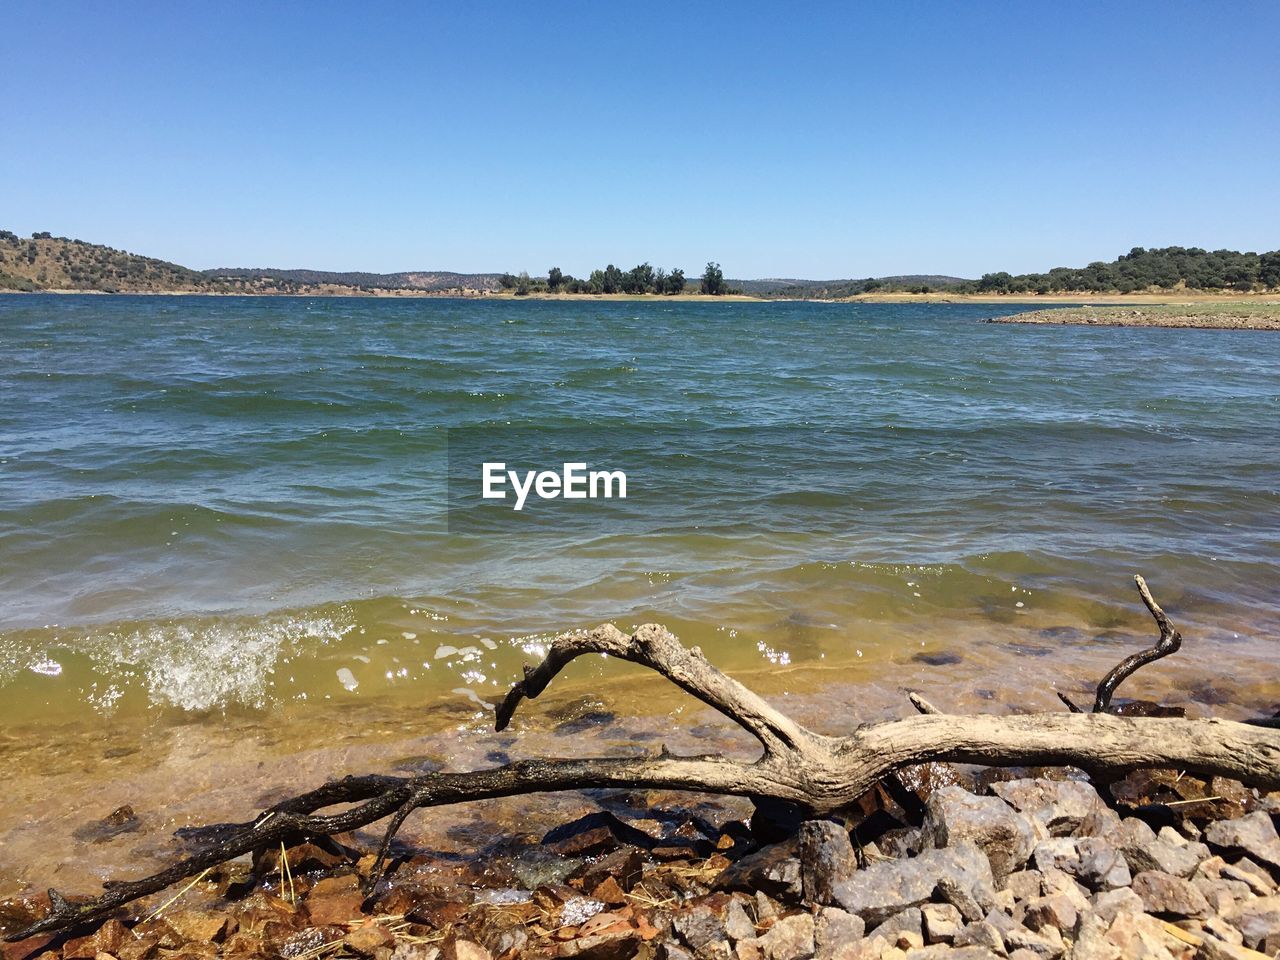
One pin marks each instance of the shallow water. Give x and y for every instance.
(231, 525)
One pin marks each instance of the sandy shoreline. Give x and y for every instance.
(1081, 299)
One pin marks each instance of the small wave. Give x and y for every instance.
(193, 665)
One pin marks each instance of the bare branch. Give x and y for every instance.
(1069, 702)
(654, 647)
(1169, 642)
(921, 704)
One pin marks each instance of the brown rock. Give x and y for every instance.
(140, 948)
(1246, 871)
(737, 922)
(595, 834)
(368, 938)
(1005, 836)
(1254, 835)
(881, 890)
(199, 926)
(1109, 903)
(904, 929)
(1259, 923)
(1092, 860)
(106, 939)
(465, 950)
(1221, 928)
(625, 865)
(1213, 949)
(608, 891)
(791, 938)
(1024, 884)
(1091, 941)
(774, 870)
(1167, 895)
(826, 859)
(980, 934)
(331, 885)
(1140, 935)
(1059, 807)
(940, 922)
(617, 944)
(333, 908)
(302, 859)
(702, 931)
(767, 909)
(1052, 911)
(1055, 882)
(437, 914)
(1046, 943)
(1221, 895)
(302, 942)
(121, 820)
(835, 932)
(1143, 849)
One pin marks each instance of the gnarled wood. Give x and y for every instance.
(816, 772)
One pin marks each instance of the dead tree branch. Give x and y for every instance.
(816, 772)
(1169, 641)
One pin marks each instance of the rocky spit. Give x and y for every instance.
(1257, 316)
(1025, 869)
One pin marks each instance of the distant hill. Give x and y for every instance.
(429, 281)
(46, 262)
(833, 289)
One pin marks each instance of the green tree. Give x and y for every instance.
(612, 279)
(522, 284)
(1269, 269)
(675, 281)
(554, 279)
(638, 279)
(713, 280)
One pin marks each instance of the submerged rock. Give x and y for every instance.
(117, 822)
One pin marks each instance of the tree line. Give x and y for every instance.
(640, 279)
(1142, 269)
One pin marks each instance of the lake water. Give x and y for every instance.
(242, 521)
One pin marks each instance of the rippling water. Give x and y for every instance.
(212, 504)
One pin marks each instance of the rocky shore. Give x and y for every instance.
(1024, 868)
(1227, 316)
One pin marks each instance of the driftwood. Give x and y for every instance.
(816, 773)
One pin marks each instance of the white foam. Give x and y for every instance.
(206, 666)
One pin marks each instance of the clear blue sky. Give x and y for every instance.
(814, 140)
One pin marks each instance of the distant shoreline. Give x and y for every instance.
(1119, 300)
